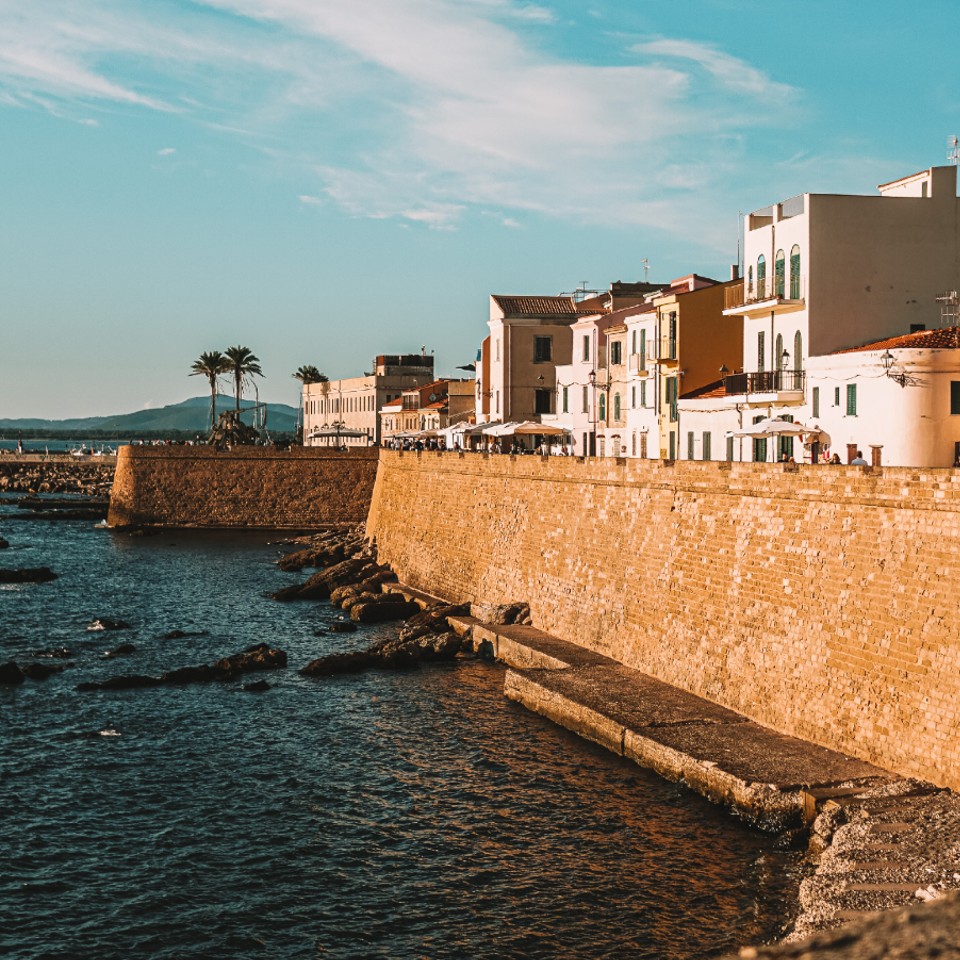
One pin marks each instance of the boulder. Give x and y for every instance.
(58, 653)
(27, 575)
(128, 682)
(10, 674)
(261, 656)
(382, 610)
(40, 671)
(180, 634)
(3, 543)
(501, 613)
(256, 686)
(342, 626)
(340, 663)
(121, 651)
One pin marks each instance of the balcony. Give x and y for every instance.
(770, 294)
(664, 349)
(638, 365)
(782, 384)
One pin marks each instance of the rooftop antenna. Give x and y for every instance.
(953, 149)
(646, 268)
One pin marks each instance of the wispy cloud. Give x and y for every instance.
(420, 110)
(167, 152)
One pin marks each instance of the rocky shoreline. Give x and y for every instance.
(57, 474)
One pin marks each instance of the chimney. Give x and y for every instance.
(734, 271)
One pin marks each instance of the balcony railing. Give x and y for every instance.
(765, 381)
(781, 289)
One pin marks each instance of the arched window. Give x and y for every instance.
(795, 273)
(616, 406)
(798, 351)
(780, 274)
(761, 276)
(603, 407)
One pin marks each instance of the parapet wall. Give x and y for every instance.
(820, 601)
(181, 486)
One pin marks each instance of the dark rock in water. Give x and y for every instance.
(257, 686)
(342, 626)
(144, 532)
(59, 653)
(318, 587)
(40, 671)
(3, 543)
(34, 575)
(121, 651)
(339, 663)
(258, 657)
(10, 674)
(105, 623)
(261, 656)
(431, 620)
(198, 674)
(379, 611)
(180, 634)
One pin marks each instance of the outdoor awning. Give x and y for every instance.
(772, 427)
(324, 432)
(532, 428)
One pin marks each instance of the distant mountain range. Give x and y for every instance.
(190, 416)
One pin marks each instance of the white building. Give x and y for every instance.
(824, 273)
(897, 400)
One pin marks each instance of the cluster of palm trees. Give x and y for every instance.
(241, 363)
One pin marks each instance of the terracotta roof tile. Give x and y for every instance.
(707, 392)
(541, 306)
(942, 338)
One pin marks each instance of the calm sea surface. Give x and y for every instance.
(386, 815)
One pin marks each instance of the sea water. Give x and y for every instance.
(402, 815)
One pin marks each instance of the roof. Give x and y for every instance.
(707, 392)
(393, 403)
(941, 338)
(541, 306)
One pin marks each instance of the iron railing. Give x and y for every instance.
(765, 381)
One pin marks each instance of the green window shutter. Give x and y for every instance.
(795, 273)
(706, 445)
(643, 349)
(816, 402)
(690, 445)
(851, 399)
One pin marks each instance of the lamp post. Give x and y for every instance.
(592, 420)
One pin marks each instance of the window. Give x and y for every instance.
(761, 276)
(706, 445)
(497, 343)
(816, 402)
(778, 353)
(633, 398)
(730, 448)
(955, 396)
(542, 400)
(851, 399)
(603, 407)
(633, 442)
(780, 274)
(836, 396)
(616, 351)
(616, 406)
(566, 399)
(633, 342)
(798, 351)
(761, 351)
(643, 349)
(586, 347)
(542, 349)
(586, 400)
(671, 397)
(673, 445)
(759, 446)
(496, 408)
(795, 273)
(690, 445)
(643, 393)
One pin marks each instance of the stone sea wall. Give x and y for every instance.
(821, 601)
(244, 487)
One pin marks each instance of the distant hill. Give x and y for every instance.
(190, 416)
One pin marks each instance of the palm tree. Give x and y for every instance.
(243, 364)
(306, 374)
(211, 365)
(309, 374)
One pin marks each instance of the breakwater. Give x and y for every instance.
(39, 473)
(242, 487)
(812, 600)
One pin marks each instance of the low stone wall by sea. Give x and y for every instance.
(187, 486)
(820, 601)
(40, 473)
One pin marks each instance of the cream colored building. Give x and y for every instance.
(348, 411)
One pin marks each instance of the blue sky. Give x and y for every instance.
(324, 180)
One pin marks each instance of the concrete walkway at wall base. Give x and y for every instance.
(773, 780)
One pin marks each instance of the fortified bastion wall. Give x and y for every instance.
(820, 601)
(245, 487)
